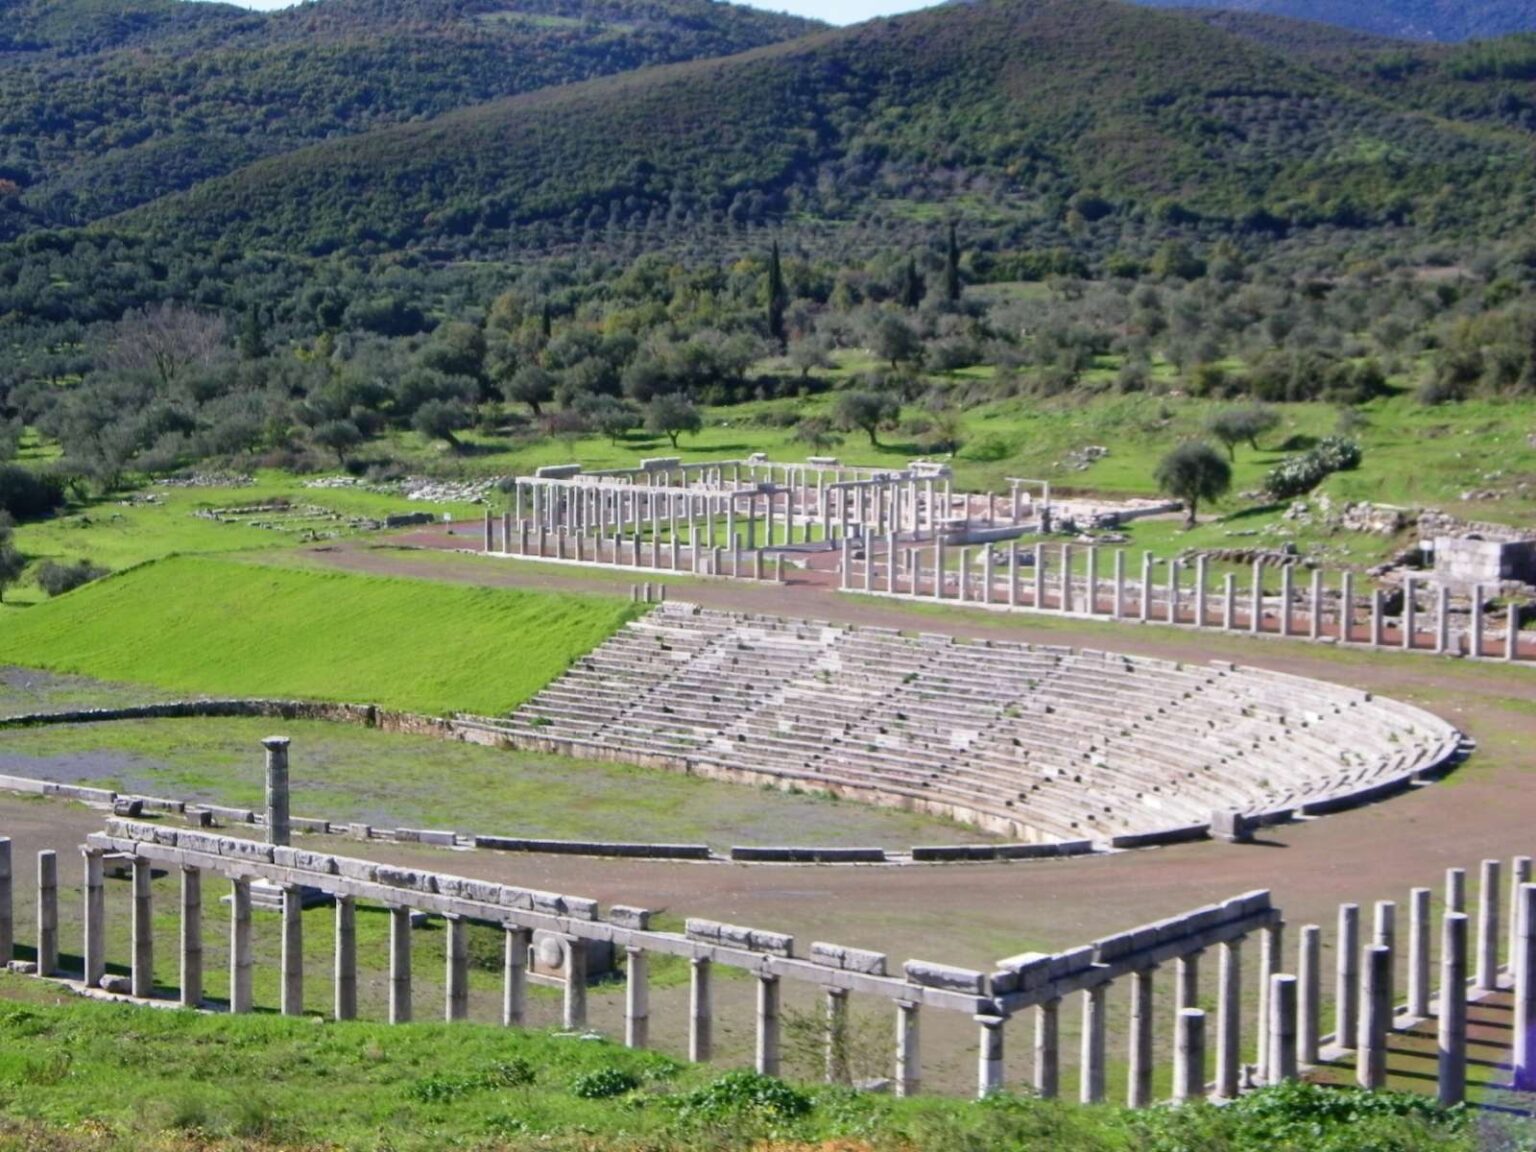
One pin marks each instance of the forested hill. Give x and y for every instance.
(105, 104)
(1444, 20)
(1089, 113)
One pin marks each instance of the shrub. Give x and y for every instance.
(603, 1084)
(1298, 475)
(744, 1092)
(28, 495)
(57, 579)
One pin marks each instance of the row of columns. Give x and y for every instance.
(697, 557)
(923, 572)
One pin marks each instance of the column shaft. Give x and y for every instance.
(191, 937)
(143, 980)
(345, 1006)
(240, 945)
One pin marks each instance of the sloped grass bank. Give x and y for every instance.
(79, 1076)
(222, 627)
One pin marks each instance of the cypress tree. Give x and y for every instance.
(547, 323)
(776, 298)
(912, 287)
(952, 266)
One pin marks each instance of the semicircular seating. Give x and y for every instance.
(1033, 742)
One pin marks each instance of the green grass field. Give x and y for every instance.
(111, 1078)
(355, 774)
(217, 626)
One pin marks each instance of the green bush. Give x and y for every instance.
(603, 1083)
(744, 1093)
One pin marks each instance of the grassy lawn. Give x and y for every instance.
(210, 625)
(75, 1076)
(356, 774)
(157, 521)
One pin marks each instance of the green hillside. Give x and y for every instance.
(1144, 115)
(104, 105)
(1444, 20)
(221, 627)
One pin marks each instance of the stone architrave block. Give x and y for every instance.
(510, 897)
(707, 931)
(407, 878)
(1071, 962)
(580, 908)
(245, 850)
(773, 943)
(202, 842)
(849, 959)
(623, 916)
(364, 870)
(304, 861)
(945, 977)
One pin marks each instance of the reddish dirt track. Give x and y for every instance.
(975, 914)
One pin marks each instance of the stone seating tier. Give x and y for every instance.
(1041, 742)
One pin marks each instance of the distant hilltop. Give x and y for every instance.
(1443, 20)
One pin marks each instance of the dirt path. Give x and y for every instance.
(975, 914)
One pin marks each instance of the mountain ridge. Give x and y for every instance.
(1445, 21)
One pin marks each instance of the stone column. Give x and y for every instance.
(1519, 874)
(514, 975)
(909, 1070)
(1146, 587)
(1174, 589)
(191, 937)
(1385, 936)
(1475, 637)
(1418, 953)
(1229, 1021)
(490, 532)
(1455, 889)
(1271, 944)
(7, 914)
(293, 951)
(1039, 578)
(278, 830)
(1228, 602)
(399, 965)
(1309, 994)
(1092, 1087)
(574, 1013)
(1375, 1016)
(890, 560)
(1442, 618)
(47, 913)
(456, 968)
(1377, 633)
(1410, 613)
(1118, 610)
(1256, 600)
(95, 950)
(240, 945)
(637, 997)
(143, 981)
(1287, 589)
(1523, 963)
(1200, 590)
(1346, 607)
(345, 1006)
(1139, 1087)
(1189, 1055)
(1047, 1071)
(1186, 979)
(1315, 615)
(768, 1024)
(1066, 578)
(1512, 634)
(700, 1011)
(836, 1009)
(1452, 1061)
(1282, 1028)
(1346, 989)
(989, 1060)
(1091, 604)
(1013, 574)
(965, 575)
(1487, 971)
